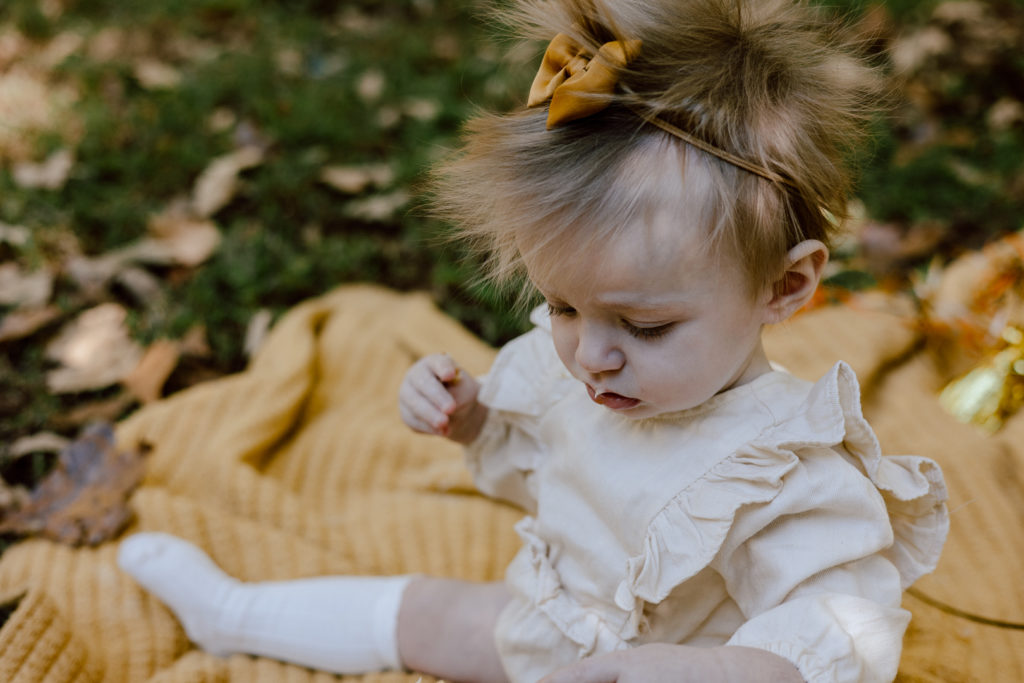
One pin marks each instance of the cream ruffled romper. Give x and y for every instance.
(766, 517)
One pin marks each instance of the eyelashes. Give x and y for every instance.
(554, 310)
(648, 332)
(645, 333)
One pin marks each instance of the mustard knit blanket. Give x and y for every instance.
(300, 466)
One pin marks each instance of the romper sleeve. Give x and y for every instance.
(525, 380)
(815, 535)
(819, 572)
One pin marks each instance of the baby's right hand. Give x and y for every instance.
(438, 397)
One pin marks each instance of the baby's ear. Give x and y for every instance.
(804, 265)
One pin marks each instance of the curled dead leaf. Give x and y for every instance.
(217, 184)
(1004, 114)
(175, 238)
(25, 322)
(911, 52)
(153, 74)
(146, 381)
(178, 239)
(355, 179)
(378, 208)
(43, 442)
(50, 174)
(422, 109)
(24, 289)
(84, 500)
(14, 235)
(94, 351)
(30, 103)
(370, 85)
(256, 331)
(195, 343)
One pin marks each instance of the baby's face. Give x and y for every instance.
(650, 322)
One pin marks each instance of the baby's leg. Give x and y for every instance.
(446, 629)
(337, 624)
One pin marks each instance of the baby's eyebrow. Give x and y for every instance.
(643, 305)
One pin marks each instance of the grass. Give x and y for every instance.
(375, 81)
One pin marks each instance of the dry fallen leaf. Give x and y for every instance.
(12, 496)
(29, 103)
(94, 351)
(256, 331)
(175, 238)
(179, 239)
(102, 410)
(422, 109)
(14, 235)
(370, 85)
(355, 179)
(378, 208)
(912, 51)
(43, 442)
(25, 322)
(218, 182)
(50, 174)
(153, 74)
(24, 289)
(146, 381)
(195, 343)
(84, 500)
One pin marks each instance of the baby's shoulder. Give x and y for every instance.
(526, 377)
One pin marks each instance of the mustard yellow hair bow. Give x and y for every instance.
(579, 86)
(574, 82)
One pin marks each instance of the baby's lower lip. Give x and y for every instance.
(611, 400)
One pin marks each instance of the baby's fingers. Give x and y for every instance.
(429, 380)
(421, 413)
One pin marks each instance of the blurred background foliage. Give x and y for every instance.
(146, 94)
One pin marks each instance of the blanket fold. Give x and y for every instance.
(300, 466)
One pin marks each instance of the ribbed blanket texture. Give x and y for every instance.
(300, 466)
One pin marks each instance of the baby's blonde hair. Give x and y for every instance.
(770, 81)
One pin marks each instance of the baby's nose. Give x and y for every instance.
(596, 353)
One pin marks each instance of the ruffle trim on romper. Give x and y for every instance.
(688, 532)
(525, 379)
(541, 583)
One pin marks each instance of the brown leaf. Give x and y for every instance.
(256, 331)
(178, 239)
(22, 288)
(30, 103)
(14, 235)
(12, 496)
(378, 208)
(94, 351)
(887, 245)
(195, 343)
(147, 380)
(218, 182)
(43, 442)
(355, 179)
(912, 51)
(50, 174)
(84, 500)
(26, 322)
(152, 74)
(370, 85)
(103, 410)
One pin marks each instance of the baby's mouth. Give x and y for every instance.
(610, 399)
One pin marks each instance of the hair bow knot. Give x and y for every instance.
(578, 85)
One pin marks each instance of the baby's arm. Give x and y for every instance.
(662, 662)
(438, 397)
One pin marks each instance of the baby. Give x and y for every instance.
(694, 514)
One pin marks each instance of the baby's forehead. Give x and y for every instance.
(661, 252)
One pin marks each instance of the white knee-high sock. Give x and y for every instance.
(339, 624)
